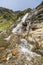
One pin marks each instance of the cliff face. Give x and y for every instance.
(37, 17)
(37, 28)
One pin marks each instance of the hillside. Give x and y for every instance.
(9, 17)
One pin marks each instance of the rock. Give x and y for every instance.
(26, 41)
(30, 39)
(24, 34)
(3, 43)
(9, 56)
(14, 38)
(23, 41)
(15, 52)
(39, 52)
(38, 44)
(3, 58)
(2, 48)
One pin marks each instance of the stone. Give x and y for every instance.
(30, 39)
(3, 58)
(24, 34)
(2, 48)
(15, 52)
(14, 38)
(9, 56)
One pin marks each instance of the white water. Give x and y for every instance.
(24, 43)
(23, 47)
(8, 38)
(27, 51)
(26, 48)
(18, 28)
(24, 18)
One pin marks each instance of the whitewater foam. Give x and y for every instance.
(18, 28)
(27, 51)
(8, 38)
(24, 18)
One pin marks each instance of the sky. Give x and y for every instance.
(19, 4)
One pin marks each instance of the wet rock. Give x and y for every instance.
(9, 56)
(14, 38)
(39, 52)
(24, 34)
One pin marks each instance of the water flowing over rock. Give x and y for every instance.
(7, 38)
(18, 28)
(25, 41)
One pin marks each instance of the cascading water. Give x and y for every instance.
(25, 47)
(18, 28)
(8, 38)
(24, 18)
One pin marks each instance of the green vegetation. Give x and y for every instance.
(8, 17)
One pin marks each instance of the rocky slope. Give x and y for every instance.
(24, 44)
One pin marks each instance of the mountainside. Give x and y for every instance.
(9, 17)
(22, 44)
(6, 18)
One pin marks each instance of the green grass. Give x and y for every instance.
(9, 18)
(5, 25)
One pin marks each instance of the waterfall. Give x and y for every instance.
(25, 47)
(24, 18)
(18, 28)
(27, 51)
